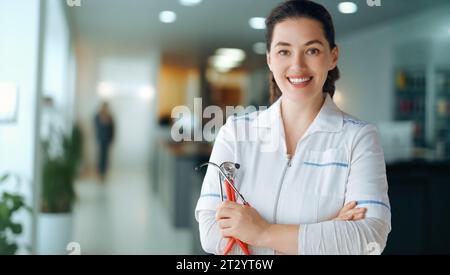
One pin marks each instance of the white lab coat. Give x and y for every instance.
(338, 160)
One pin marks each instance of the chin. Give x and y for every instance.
(300, 95)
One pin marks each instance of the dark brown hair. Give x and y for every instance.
(292, 9)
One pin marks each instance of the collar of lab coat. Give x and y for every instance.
(329, 119)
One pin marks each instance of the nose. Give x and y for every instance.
(298, 62)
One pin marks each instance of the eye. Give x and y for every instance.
(283, 52)
(313, 51)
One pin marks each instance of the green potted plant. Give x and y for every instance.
(59, 172)
(10, 205)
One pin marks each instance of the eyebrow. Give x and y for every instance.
(281, 43)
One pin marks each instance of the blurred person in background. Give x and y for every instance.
(104, 128)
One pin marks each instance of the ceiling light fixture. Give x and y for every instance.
(190, 2)
(257, 23)
(226, 59)
(167, 17)
(233, 54)
(347, 7)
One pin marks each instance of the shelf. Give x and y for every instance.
(411, 101)
(442, 103)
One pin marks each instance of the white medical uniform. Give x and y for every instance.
(338, 160)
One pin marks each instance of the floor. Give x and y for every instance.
(123, 216)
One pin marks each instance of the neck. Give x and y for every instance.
(299, 115)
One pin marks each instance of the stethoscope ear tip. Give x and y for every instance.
(198, 167)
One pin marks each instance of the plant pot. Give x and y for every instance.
(54, 233)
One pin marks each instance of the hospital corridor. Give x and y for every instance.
(127, 205)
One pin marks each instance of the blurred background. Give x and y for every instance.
(87, 89)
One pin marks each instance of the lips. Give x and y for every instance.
(300, 81)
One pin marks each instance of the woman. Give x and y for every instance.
(314, 176)
(104, 128)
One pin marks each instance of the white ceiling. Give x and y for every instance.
(200, 30)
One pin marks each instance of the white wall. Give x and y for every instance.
(36, 57)
(19, 35)
(368, 60)
(131, 77)
(57, 69)
(56, 54)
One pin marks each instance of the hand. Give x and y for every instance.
(241, 222)
(350, 213)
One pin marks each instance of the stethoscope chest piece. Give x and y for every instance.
(227, 173)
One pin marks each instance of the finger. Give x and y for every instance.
(359, 216)
(360, 210)
(226, 233)
(223, 213)
(351, 215)
(343, 217)
(345, 214)
(354, 211)
(349, 206)
(363, 209)
(230, 204)
(357, 210)
(224, 223)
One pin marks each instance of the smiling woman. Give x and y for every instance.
(316, 39)
(322, 188)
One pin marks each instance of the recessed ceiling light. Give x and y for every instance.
(260, 48)
(226, 59)
(232, 54)
(167, 16)
(190, 2)
(257, 23)
(223, 61)
(347, 7)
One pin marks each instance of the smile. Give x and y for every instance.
(300, 82)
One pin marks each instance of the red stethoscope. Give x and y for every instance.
(227, 174)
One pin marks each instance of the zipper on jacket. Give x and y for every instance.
(277, 197)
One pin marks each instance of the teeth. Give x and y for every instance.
(299, 80)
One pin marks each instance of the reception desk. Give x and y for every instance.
(176, 183)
